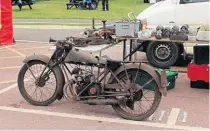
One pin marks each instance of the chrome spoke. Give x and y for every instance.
(40, 86)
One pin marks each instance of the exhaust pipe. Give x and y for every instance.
(102, 101)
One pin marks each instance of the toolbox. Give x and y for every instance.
(198, 72)
(201, 54)
(198, 69)
(129, 27)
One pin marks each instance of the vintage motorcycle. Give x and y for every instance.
(121, 84)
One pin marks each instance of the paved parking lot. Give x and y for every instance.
(183, 108)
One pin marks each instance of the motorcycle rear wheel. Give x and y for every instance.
(38, 83)
(124, 111)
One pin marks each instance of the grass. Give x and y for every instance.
(56, 9)
(59, 24)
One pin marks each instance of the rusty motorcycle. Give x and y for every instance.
(92, 80)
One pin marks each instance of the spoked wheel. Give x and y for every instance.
(146, 97)
(34, 89)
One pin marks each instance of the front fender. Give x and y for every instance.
(43, 58)
(161, 80)
(57, 70)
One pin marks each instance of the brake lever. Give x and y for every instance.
(62, 44)
(70, 41)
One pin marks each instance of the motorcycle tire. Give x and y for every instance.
(22, 89)
(138, 117)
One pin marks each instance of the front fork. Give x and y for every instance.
(44, 74)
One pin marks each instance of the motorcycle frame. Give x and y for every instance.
(59, 56)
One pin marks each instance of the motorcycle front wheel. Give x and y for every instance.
(145, 101)
(34, 89)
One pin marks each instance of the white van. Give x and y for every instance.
(170, 13)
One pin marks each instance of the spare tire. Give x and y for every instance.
(162, 54)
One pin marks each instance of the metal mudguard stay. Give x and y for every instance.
(161, 80)
(56, 68)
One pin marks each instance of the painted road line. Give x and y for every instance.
(10, 81)
(12, 57)
(43, 47)
(184, 117)
(12, 67)
(95, 118)
(161, 115)
(28, 41)
(9, 57)
(173, 116)
(17, 67)
(8, 88)
(6, 46)
(15, 51)
(3, 47)
(12, 86)
(150, 118)
(30, 48)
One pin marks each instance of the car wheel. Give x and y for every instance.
(162, 54)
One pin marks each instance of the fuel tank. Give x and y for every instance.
(81, 57)
(76, 56)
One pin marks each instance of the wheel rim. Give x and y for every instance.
(163, 52)
(143, 103)
(37, 89)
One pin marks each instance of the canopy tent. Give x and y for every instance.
(6, 28)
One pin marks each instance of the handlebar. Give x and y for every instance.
(63, 44)
(52, 40)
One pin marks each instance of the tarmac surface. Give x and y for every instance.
(184, 108)
(66, 21)
(33, 33)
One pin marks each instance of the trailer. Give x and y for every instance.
(163, 45)
(176, 50)
(134, 48)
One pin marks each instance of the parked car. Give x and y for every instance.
(170, 13)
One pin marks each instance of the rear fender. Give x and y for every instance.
(161, 80)
(57, 69)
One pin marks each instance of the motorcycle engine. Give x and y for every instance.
(81, 79)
